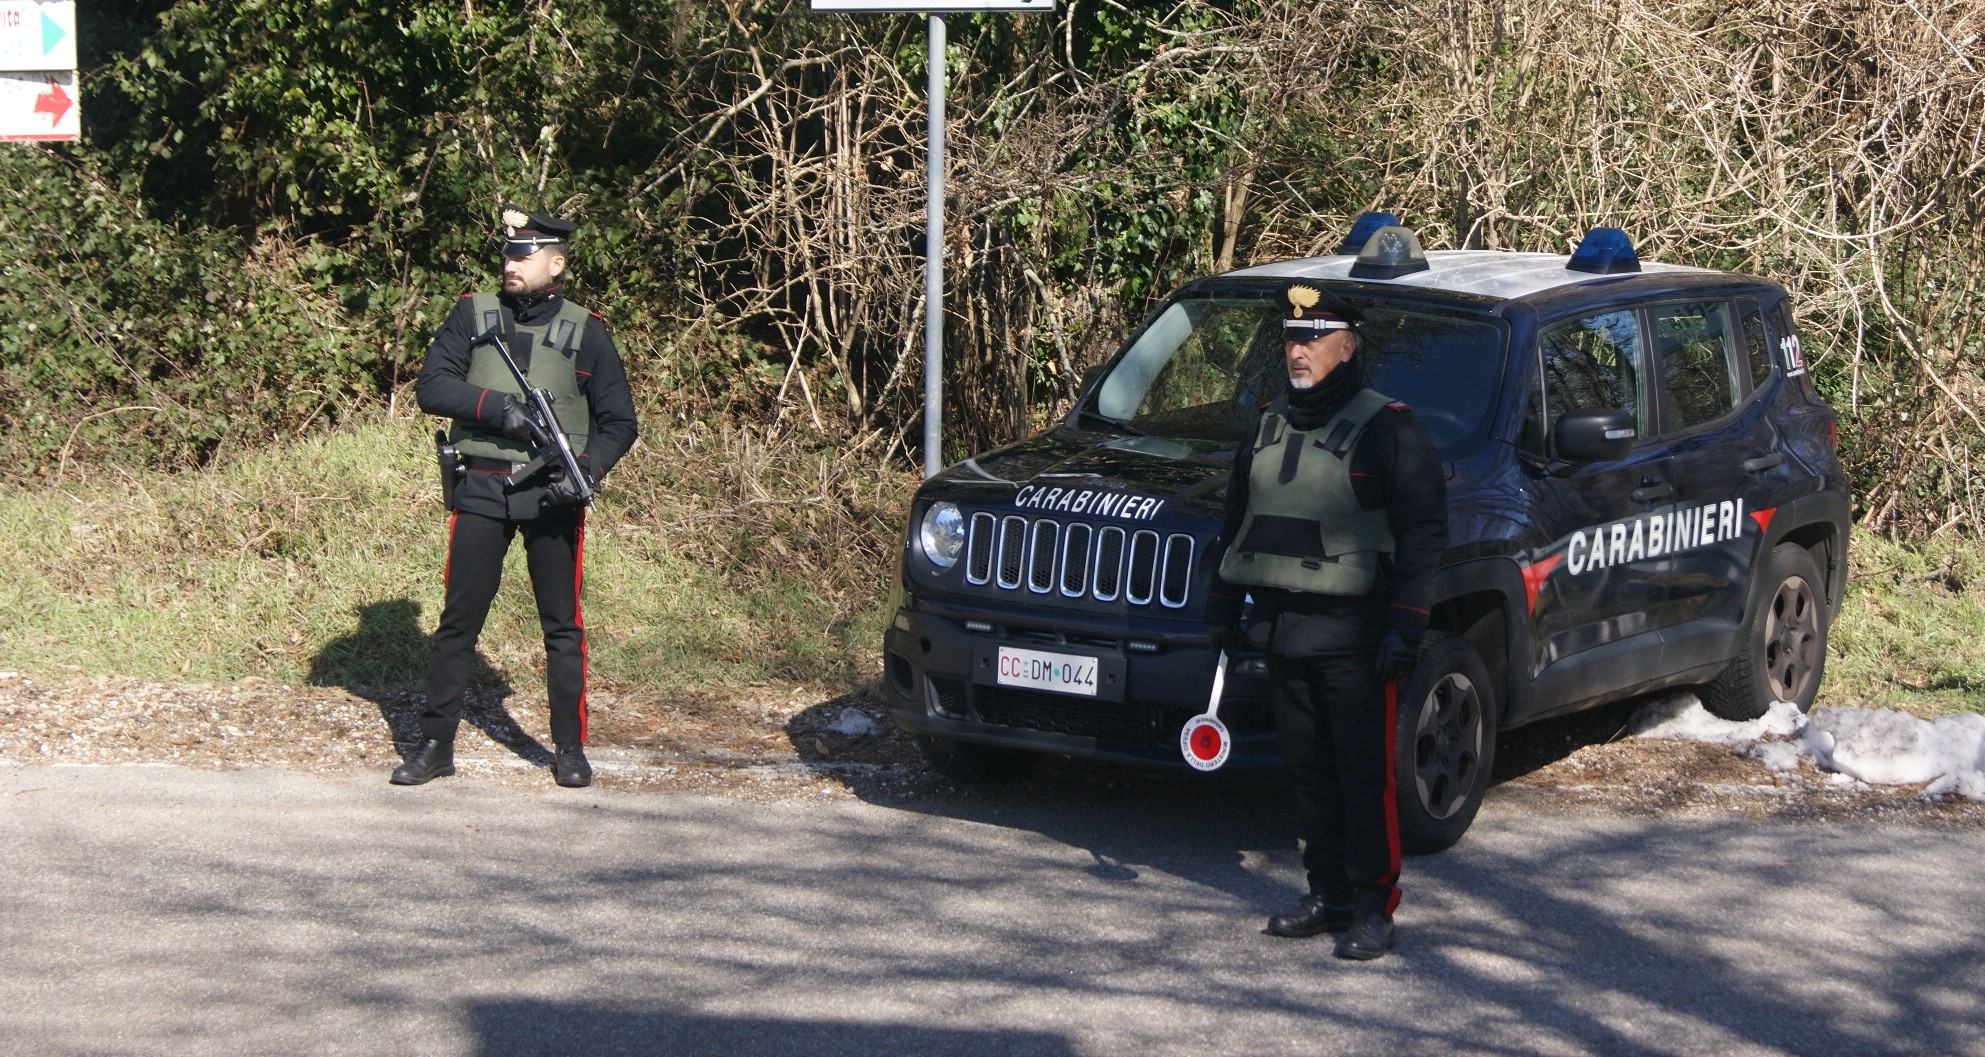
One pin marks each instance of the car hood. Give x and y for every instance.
(1101, 476)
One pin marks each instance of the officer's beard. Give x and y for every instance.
(1299, 384)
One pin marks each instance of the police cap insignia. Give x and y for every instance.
(1301, 297)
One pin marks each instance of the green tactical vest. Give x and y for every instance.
(555, 374)
(1304, 530)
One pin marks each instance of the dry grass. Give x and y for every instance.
(718, 558)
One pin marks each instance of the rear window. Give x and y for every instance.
(1203, 365)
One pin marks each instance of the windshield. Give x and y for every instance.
(1205, 363)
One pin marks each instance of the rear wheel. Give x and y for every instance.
(975, 764)
(1784, 649)
(1444, 743)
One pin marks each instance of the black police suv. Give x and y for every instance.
(1642, 491)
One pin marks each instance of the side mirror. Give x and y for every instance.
(1595, 435)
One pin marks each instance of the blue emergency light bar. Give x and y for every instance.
(1604, 251)
(1362, 228)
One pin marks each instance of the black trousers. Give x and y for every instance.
(1334, 720)
(552, 546)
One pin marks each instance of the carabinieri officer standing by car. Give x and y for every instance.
(1336, 520)
(564, 350)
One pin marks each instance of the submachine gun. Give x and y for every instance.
(553, 450)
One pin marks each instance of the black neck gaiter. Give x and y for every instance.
(1312, 407)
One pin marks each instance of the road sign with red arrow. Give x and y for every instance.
(39, 106)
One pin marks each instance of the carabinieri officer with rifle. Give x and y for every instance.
(518, 371)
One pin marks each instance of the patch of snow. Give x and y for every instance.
(855, 723)
(1878, 746)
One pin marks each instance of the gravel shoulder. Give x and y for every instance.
(798, 743)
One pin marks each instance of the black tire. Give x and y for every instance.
(975, 764)
(1784, 649)
(1444, 744)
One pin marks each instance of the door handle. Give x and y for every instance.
(1652, 491)
(1763, 462)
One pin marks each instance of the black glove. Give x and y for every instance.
(517, 425)
(563, 492)
(1223, 637)
(1396, 658)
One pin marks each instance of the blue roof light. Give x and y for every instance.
(1604, 251)
(1362, 229)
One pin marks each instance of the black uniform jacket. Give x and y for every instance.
(443, 389)
(1394, 468)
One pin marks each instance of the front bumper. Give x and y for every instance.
(940, 675)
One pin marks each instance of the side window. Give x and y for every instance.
(1531, 440)
(1757, 344)
(1698, 362)
(1593, 362)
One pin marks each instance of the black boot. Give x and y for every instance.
(434, 759)
(1370, 937)
(1312, 916)
(571, 769)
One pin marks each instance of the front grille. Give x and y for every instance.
(1083, 717)
(1079, 560)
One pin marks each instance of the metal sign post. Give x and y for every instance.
(934, 257)
(933, 189)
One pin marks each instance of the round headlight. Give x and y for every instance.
(942, 534)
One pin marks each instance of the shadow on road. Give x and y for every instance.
(387, 653)
(1129, 818)
(718, 927)
(528, 1028)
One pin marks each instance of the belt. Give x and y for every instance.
(477, 462)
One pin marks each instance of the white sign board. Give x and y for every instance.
(37, 36)
(932, 7)
(39, 106)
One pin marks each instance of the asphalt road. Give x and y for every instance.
(153, 910)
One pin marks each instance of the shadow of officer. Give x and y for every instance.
(387, 653)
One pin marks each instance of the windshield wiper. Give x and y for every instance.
(1114, 423)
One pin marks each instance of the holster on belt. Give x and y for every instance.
(452, 467)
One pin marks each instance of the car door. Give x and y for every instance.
(1590, 577)
(1711, 370)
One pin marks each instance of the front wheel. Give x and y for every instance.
(1443, 744)
(1784, 649)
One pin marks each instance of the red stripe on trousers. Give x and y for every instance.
(1392, 794)
(579, 618)
(448, 555)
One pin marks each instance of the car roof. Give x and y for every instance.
(1494, 274)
